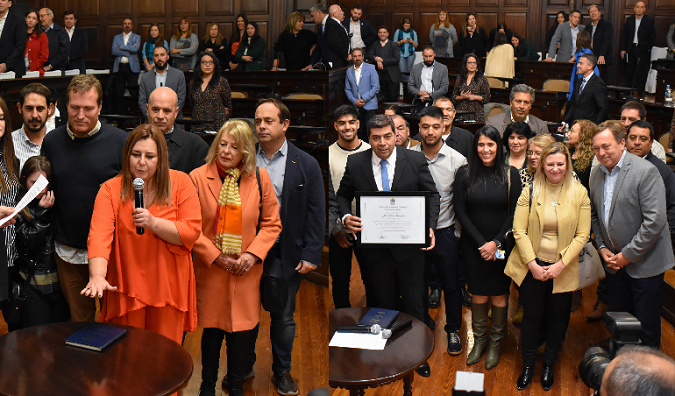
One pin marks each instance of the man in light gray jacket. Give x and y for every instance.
(429, 79)
(566, 36)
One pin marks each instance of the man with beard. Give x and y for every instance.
(361, 88)
(35, 108)
(362, 33)
(443, 162)
(457, 138)
(387, 56)
(429, 79)
(161, 76)
(340, 244)
(126, 68)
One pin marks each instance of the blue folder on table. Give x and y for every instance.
(95, 336)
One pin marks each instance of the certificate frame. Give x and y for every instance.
(420, 200)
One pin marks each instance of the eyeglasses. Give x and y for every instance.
(534, 154)
(207, 63)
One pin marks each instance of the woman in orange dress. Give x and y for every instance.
(229, 253)
(148, 279)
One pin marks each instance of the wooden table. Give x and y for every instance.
(36, 361)
(359, 369)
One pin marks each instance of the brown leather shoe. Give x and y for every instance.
(598, 310)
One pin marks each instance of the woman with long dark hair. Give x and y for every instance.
(500, 29)
(37, 45)
(472, 90)
(250, 55)
(580, 144)
(295, 43)
(237, 37)
(522, 48)
(486, 192)
(184, 44)
(473, 37)
(213, 41)
(501, 61)
(210, 93)
(561, 17)
(149, 46)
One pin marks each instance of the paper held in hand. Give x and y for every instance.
(39, 185)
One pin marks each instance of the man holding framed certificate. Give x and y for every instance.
(397, 269)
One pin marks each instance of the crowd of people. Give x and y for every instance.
(191, 255)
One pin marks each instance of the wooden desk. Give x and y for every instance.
(36, 361)
(359, 369)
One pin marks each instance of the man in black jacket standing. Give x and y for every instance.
(79, 42)
(59, 44)
(601, 32)
(589, 98)
(338, 39)
(361, 32)
(386, 55)
(12, 40)
(637, 38)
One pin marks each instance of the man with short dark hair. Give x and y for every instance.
(12, 40)
(565, 36)
(443, 164)
(639, 371)
(59, 44)
(83, 154)
(126, 68)
(521, 99)
(628, 200)
(361, 87)
(386, 167)
(298, 184)
(340, 247)
(428, 80)
(35, 107)
(632, 111)
(362, 33)
(601, 32)
(589, 98)
(79, 42)
(162, 75)
(637, 39)
(386, 55)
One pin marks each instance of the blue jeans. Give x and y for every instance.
(406, 65)
(282, 331)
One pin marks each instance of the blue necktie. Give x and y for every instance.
(583, 83)
(385, 176)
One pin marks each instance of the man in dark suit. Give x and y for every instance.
(298, 184)
(637, 46)
(12, 40)
(59, 44)
(589, 98)
(386, 55)
(79, 42)
(361, 32)
(338, 39)
(601, 32)
(397, 270)
(630, 229)
(320, 17)
(428, 80)
(162, 75)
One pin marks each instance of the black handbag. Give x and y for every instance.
(273, 287)
(13, 309)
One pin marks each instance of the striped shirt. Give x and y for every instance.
(8, 199)
(23, 147)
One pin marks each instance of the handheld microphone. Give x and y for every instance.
(374, 329)
(138, 195)
(397, 328)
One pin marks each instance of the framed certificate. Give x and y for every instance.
(393, 218)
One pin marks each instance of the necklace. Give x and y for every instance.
(149, 194)
(553, 200)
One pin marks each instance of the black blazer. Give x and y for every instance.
(338, 43)
(646, 34)
(391, 55)
(602, 39)
(411, 174)
(59, 47)
(78, 49)
(368, 33)
(592, 104)
(13, 44)
(302, 212)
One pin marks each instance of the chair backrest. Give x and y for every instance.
(664, 142)
(239, 95)
(556, 85)
(309, 96)
(495, 83)
(495, 110)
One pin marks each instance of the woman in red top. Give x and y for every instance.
(37, 45)
(148, 279)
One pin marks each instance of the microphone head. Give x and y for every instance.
(138, 183)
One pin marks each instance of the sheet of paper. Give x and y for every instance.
(373, 342)
(470, 382)
(39, 185)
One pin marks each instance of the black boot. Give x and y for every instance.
(207, 389)
(212, 341)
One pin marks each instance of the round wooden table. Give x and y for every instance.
(36, 361)
(359, 369)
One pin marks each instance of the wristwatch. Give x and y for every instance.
(499, 244)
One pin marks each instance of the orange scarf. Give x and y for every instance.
(227, 235)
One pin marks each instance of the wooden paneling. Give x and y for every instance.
(665, 4)
(150, 8)
(254, 7)
(453, 3)
(85, 8)
(222, 7)
(515, 3)
(180, 8)
(517, 22)
(662, 25)
(119, 8)
(565, 3)
(378, 19)
(487, 3)
(403, 2)
(93, 51)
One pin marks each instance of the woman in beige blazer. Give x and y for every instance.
(228, 254)
(550, 233)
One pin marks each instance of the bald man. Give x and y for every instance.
(187, 151)
(639, 371)
(338, 39)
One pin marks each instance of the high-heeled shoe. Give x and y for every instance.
(525, 377)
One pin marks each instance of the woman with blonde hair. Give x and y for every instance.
(295, 43)
(551, 226)
(240, 224)
(580, 144)
(443, 35)
(183, 47)
(213, 41)
(535, 146)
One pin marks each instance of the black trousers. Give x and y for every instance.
(340, 260)
(544, 312)
(393, 278)
(240, 354)
(388, 88)
(637, 69)
(40, 309)
(124, 77)
(642, 298)
(444, 258)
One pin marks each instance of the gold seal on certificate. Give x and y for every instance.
(393, 218)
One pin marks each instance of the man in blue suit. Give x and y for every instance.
(298, 184)
(361, 86)
(125, 47)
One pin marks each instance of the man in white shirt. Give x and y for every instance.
(12, 40)
(35, 109)
(362, 32)
(127, 66)
(79, 42)
(637, 38)
(429, 79)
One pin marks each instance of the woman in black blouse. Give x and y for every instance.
(472, 90)
(214, 42)
(295, 43)
(486, 193)
(561, 17)
(473, 37)
(210, 94)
